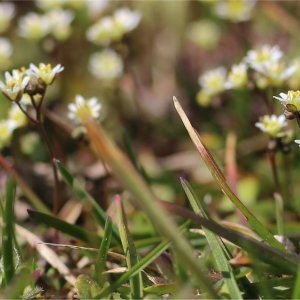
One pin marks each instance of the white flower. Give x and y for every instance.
(14, 85)
(103, 32)
(260, 58)
(213, 81)
(126, 19)
(59, 21)
(291, 100)
(272, 125)
(83, 108)
(5, 53)
(34, 26)
(16, 115)
(7, 12)
(237, 77)
(235, 10)
(96, 7)
(106, 64)
(45, 72)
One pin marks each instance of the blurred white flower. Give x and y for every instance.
(237, 77)
(126, 19)
(272, 125)
(297, 142)
(59, 21)
(109, 29)
(6, 129)
(291, 100)
(50, 4)
(34, 26)
(103, 32)
(7, 12)
(213, 81)
(260, 58)
(45, 72)
(205, 33)
(96, 7)
(106, 64)
(14, 85)
(234, 10)
(5, 53)
(16, 115)
(82, 108)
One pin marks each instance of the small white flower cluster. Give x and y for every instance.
(234, 10)
(14, 88)
(108, 64)
(267, 70)
(55, 22)
(270, 69)
(15, 82)
(112, 28)
(83, 108)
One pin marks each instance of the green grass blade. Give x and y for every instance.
(296, 290)
(102, 253)
(84, 196)
(255, 224)
(216, 246)
(136, 283)
(9, 231)
(67, 228)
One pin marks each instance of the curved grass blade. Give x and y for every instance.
(103, 251)
(8, 231)
(84, 196)
(70, 229)
(136, 283)
(216, 246)
(255, 224)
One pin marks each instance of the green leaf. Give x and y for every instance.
(9, 231)
(136, 283)
(70, 229)
(103, 251)
(216, 245)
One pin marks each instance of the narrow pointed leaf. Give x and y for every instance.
(67, 228)
(216, 246)
(255, 224)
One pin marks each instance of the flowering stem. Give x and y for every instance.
(38, 122)
(272, 154)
